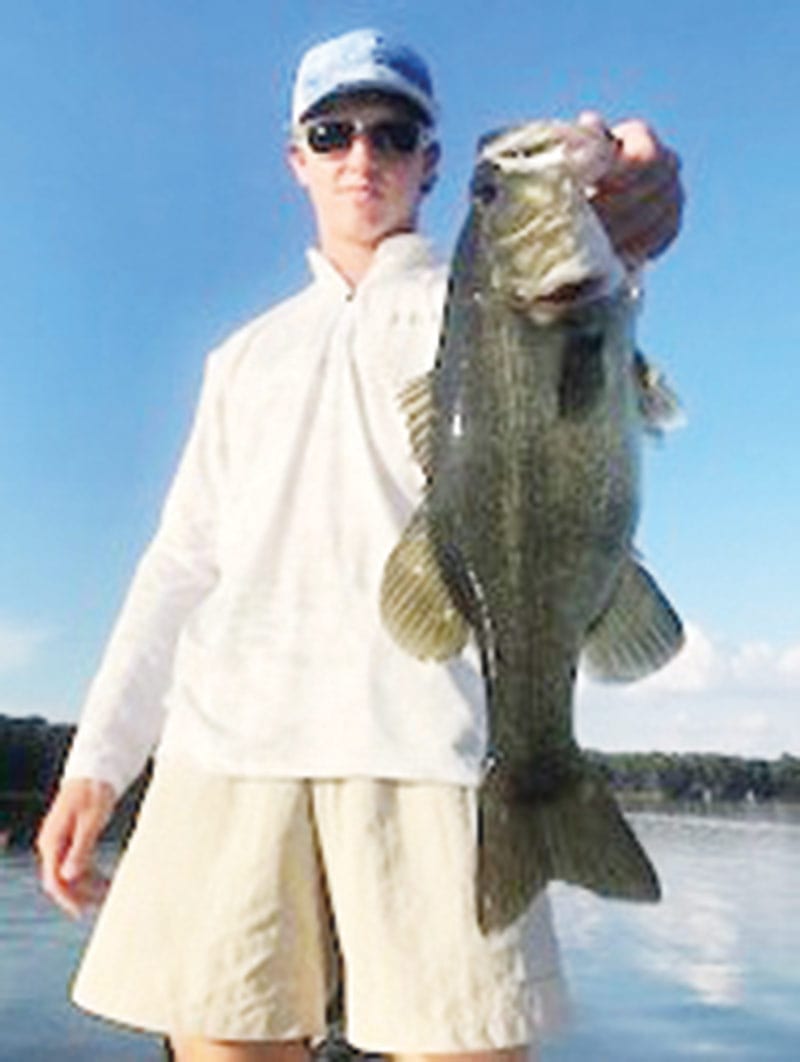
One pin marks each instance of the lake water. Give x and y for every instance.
(713, 972)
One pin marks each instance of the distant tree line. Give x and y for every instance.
(32, 753)
(701, 777)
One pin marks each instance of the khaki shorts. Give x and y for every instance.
(236, 894)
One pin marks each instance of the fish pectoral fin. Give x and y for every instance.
(417, 606)
(659, 405)
(638, 633)
(416, 402)
(577, 835)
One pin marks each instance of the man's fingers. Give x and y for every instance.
(643, 218)
(78, 857)
(638, 141)
(52, 846)
(89, 889)
(75, 896)
(67, 873)
(644, 230)
(640, 196)
(659, 176)
(643, 206)
(593, 120)
(67, 840)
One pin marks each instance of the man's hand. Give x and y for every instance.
(67, 840)
(640, 198)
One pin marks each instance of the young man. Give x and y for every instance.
(315, 787)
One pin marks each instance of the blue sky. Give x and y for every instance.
(147, 211)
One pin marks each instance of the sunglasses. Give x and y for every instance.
(392, 136)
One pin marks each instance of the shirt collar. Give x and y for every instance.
(395, 255)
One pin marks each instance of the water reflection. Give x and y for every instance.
(723, 940)
(695, 938)
(697, 944)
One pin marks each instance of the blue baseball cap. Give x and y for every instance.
(362, 61)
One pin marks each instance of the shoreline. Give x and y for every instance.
(33, 750)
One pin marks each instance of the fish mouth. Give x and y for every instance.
(574, 293)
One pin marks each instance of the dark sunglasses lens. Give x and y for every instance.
(389, 138)
(330, 136)
(397, 137)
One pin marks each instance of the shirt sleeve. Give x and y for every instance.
(123, 715)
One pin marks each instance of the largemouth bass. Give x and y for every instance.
(529, 431)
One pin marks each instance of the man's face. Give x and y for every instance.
(359, 193)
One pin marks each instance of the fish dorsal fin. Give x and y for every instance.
(659, 405)
(416, 604)
(416, 402)
(638, 633)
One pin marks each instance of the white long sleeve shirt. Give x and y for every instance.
(250, 641)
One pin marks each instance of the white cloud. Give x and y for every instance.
(705, 665)
(699, 666)
(19, 645)
(715, 696)
(789, 663)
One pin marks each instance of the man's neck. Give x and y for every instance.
(353, 259)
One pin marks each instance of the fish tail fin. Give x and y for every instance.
(575, 833)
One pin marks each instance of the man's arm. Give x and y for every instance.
(640, 199)
(124, 711)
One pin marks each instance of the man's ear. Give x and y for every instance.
(433, 154)
(297, 164)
